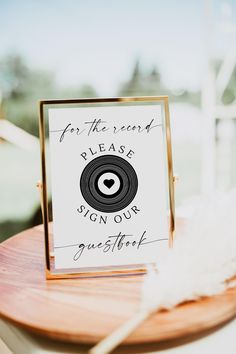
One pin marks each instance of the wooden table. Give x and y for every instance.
(86, 310)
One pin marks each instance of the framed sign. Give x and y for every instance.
(107, 165)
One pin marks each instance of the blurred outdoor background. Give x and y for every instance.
(70, 49)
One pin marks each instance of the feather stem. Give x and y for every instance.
(109, 343)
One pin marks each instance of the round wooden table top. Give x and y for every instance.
(88, 309)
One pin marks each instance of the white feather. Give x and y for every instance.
(203, 257)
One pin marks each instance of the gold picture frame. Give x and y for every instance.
(49, 254)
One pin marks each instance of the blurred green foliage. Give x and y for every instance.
(22, 87)
(150, 84)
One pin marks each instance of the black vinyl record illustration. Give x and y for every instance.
(109, 183)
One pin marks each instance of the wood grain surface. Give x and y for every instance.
(86, 310)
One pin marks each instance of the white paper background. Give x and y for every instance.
(72, 228)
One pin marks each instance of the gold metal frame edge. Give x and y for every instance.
(49, 274)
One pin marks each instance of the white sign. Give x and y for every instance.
(109, 185)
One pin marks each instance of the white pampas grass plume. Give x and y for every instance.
(203, 257)
(200, 264)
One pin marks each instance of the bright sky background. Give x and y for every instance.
(97, 41)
